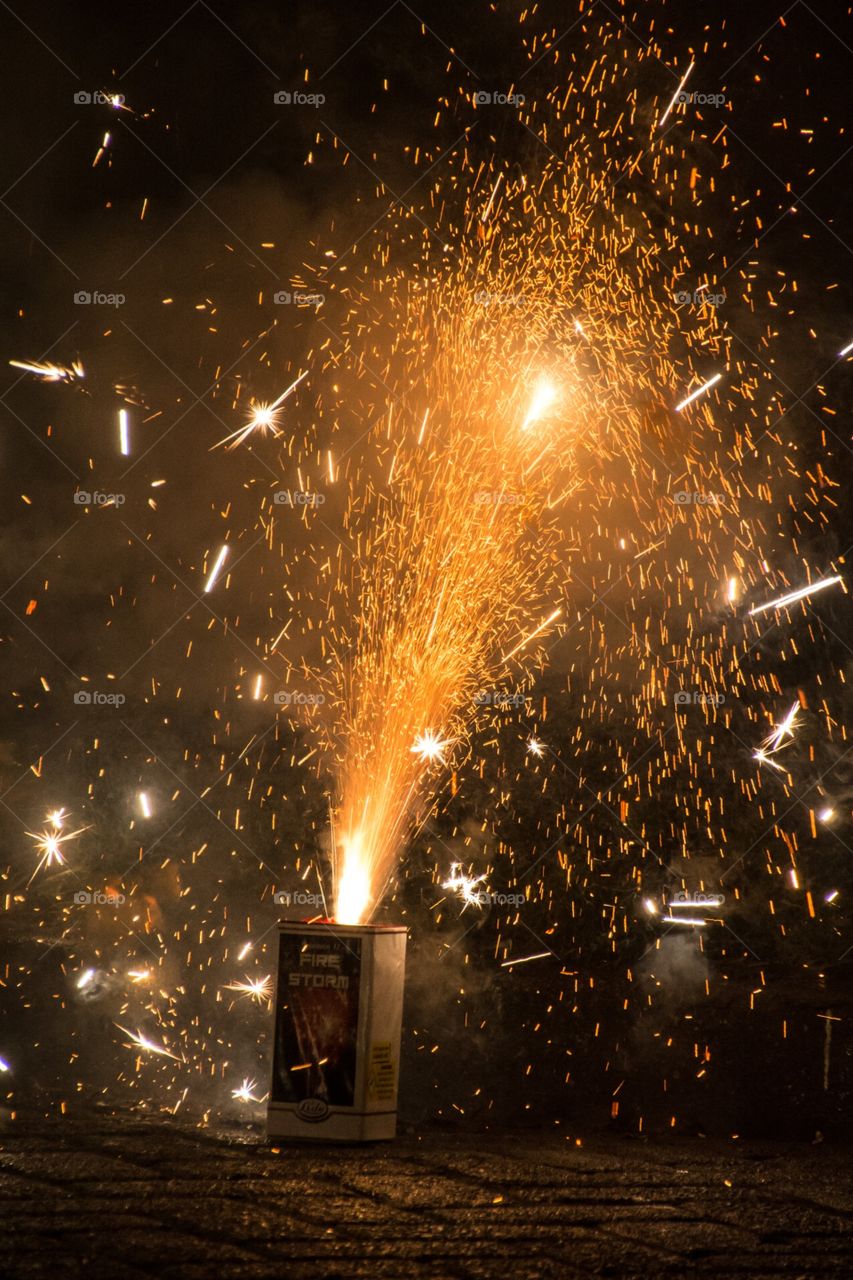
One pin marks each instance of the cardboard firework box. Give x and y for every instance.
(338, 1013)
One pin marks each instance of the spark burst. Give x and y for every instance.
(49, 842)
(246, 1091)
(49, 372)
(465, 886)
(140, 1041)
(257, 989)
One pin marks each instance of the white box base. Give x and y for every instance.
(339, 1126)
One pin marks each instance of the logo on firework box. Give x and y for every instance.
(314, 1110)
(321, 970)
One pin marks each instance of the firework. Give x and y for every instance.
(339, 1005)
(49, 372)
(215, 570)
(802, 593)
(263, 419)
(540, 955)
(245, 1093)
(700, 391)
(465, 886)
(675, 97)
(498, 402)
(544, 397)
(258, 989)
(430, 747)
(777, 739)
(49, 844)
(140, 1041)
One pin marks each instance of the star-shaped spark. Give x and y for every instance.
(465, 886)
(429, 746)
(49, 842)
(259, 989)
(263, 418)
(535, 747)
(777, 740)
(142, 1042)
(244, 1093)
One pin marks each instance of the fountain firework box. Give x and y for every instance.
(338, 1012)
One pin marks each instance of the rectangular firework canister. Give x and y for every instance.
(338, 1011)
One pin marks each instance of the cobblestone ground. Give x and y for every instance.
(120, 1198)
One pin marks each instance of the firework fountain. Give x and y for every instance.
(544, 439)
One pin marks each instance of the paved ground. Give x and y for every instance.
(120, 1198)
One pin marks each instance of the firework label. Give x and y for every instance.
(338, 1012)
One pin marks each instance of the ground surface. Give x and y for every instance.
(123, 1198)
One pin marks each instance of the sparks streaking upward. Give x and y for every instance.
(457, 581)
(453, 572)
